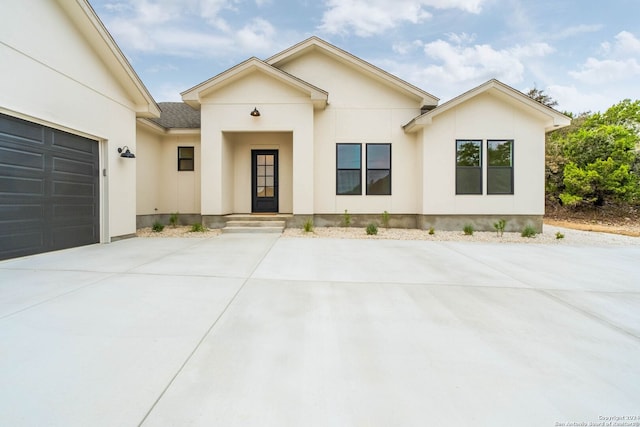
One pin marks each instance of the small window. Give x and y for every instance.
(468, 167)
(348, 169)
(379, 169)
(500, 167)
(185, 158)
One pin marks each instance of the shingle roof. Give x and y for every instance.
(177, 115)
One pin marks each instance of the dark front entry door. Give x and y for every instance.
(264, 180)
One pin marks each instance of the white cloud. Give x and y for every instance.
(257, 35)
(477, 63)
(608, 70)
(369, 17)
(621, 62)
(576, 30)
(187, 28)
(575, 100)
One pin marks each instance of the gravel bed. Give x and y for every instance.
(571, 237)
(178, 231)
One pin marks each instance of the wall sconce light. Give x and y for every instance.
(255, 112)
(124, 152)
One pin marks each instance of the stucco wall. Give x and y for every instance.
(162, 189)
(483, 117)
(361, 110)
(50, 75)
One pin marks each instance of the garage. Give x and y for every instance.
(49, 189)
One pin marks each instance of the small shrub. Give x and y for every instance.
(346, 219)
(197, 228)
(385, 219)
(308, 225)
(157, 227)
(499, 226)
(173, 219)
(432, 231)
(528, 231)
(468, 230)
(372, 229)
(559, 235)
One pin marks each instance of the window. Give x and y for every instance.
(378, 169)
(500, 167)
(468, 167)
(185, 158)
(348, 169)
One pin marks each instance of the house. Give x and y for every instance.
(308, 133)
(314, 131)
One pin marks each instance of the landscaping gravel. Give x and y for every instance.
(571, 237)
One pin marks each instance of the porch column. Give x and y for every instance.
(303, 165)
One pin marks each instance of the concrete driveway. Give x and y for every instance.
(255, 330)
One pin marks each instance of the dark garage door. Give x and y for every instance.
(49, 189)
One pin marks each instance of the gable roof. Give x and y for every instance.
(555, 119)
(96, 34)
(316, 43)
(193, 96)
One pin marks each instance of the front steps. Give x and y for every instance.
(254, 223)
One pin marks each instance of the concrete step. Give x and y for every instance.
(252, 230)
(257, 217)
(255, 223)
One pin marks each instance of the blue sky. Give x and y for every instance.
(584, 53)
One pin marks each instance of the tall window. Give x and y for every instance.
(468, 167)
(378, 169)
(185, 158)
(348, 169)
(499, 167)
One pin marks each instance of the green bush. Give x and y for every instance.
(173, 219)
(346, 219)
(468, 230)
(157, 227)
(372, 229)
(528, 231)
(197, 228)
(499, 226)
(559, 235)
(308, 225)
(385, 219)
(432, 231)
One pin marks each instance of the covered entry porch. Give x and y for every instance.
(257, 172)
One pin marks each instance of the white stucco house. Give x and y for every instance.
(307, 133)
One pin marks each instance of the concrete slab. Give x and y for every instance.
(262, 330)
(380, 261)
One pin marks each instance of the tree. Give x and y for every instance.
(596, 160)
(541, 97)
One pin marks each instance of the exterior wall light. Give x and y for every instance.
(255, 112)
(124, 152)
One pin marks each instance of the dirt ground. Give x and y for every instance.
(605, 220)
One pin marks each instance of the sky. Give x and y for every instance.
(583, 53)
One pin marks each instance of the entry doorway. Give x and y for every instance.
(264, 181)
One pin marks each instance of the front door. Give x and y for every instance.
(264, 180)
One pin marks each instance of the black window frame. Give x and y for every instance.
(495, 168)
(339, 169)
(478, 168)
(369, 190)
(182, 159)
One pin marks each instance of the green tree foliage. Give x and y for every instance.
(541, 97)
(596, 160)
